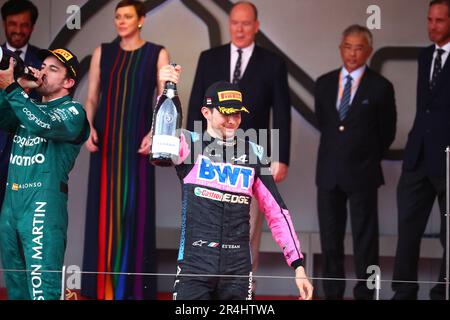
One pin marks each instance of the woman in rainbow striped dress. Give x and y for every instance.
(120, 216)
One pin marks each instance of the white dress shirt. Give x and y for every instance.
(246, 55)
(444, 57)
(356, 76)
(23, 49)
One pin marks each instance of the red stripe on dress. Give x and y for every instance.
(103, 194)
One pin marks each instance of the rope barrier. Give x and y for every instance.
(222, 276)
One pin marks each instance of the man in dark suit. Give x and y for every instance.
(262, 76)
(423, 174)
(19, 18)
(356, 113)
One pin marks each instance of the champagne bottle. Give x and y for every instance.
(20, 69)
(166, 124)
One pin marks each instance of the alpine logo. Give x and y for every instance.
(225, 173)
(219, 196)
(242, 159)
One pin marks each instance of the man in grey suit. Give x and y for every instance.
(262, 76)
(356, 114)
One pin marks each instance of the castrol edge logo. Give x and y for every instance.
(219, 196)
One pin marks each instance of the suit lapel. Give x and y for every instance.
(28, 55)
(424, 73)
(362, 89)
(225, 58)
(252, 64)
(427, 65)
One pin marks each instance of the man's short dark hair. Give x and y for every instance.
(13, 7)
(358, 29)
(255, 10)
(447, 2)
(138, 5)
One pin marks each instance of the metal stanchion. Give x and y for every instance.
(447, 218)
(63, 284)
(377, 287)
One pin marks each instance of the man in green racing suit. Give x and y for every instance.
(47, 139)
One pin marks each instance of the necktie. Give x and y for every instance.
(437, 68)
(237, 68)
(18, 52)
(345, 100)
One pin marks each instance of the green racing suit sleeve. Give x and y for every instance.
(8, 119)
(64, 123)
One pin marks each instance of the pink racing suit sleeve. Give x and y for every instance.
(184, 148)
(278, 219)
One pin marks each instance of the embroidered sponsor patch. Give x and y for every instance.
(229, 95)
(213, 244)
(219, 196)
(67, 55)
(235, 176)
(230, 110)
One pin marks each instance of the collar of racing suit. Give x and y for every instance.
(220, 142)
(56, 102)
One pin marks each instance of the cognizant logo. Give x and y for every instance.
(28, 142)
(33, 118)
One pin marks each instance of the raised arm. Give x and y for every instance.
(165, 73)
(8, 119)
(66, 123)
(163, 60)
